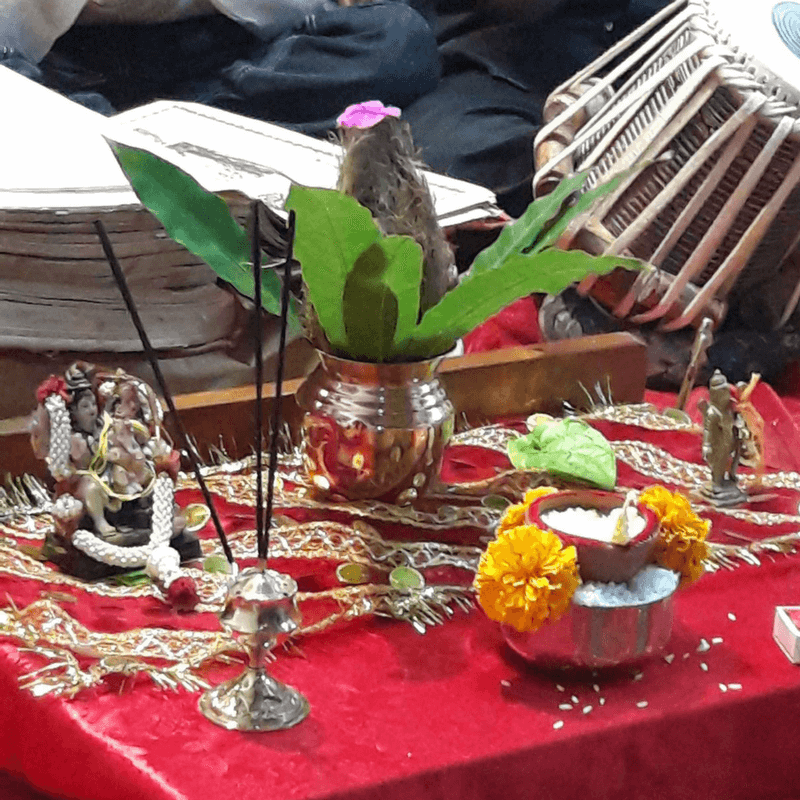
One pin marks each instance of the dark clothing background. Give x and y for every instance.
(480, 121)
(471, 84)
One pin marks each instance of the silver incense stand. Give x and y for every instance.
(261, 604)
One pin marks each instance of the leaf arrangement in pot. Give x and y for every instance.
(380, 301)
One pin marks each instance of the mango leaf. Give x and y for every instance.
(556, 227)
(544, 221)
(331, 231)
(200, 221)
(481, 295)
(404, 277)
(521, 233)
(369, 307)
(568, 448)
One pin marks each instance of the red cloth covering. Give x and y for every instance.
(453, 715)
(515, 325)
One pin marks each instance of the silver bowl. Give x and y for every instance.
(595, 636)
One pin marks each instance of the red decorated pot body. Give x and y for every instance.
(374, 431)
(600, 561)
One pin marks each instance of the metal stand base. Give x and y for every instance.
(729, 495)
(255, 701)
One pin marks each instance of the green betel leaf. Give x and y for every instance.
(200, 221)
(331, 231)
(482, 294)
(370, 308)
(570, 449)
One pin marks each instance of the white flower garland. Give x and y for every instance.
(60, 437)
(129, 557)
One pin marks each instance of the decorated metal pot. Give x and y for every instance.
(374, 431)
(594, 635)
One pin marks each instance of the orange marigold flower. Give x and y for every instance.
(515, 515)
(532, 495)
(681, 544)
(526, 577)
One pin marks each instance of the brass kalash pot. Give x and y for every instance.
(374, 431)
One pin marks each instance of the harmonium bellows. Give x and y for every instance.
(698, 111)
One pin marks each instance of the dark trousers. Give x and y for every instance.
(471, 84)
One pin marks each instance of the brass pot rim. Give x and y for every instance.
(381, 372)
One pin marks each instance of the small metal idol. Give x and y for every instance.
(722, 443)
(261, 603)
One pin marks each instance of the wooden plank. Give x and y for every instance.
(521, 380)
(482, 386)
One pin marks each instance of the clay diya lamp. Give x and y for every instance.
(591, 532)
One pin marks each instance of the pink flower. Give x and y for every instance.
(365, 115)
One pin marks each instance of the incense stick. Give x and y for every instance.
(119, 276)
(255, 254)
(277, 403)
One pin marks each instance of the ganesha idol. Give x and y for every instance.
(101, 434)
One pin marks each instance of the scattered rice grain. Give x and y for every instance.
(723, 687)
(703, 647)
(704, 666)
(602, 701)
(717, 640)
(669, 658)
(587, 709)
(565, 707)
(642, 704)
(731, 616)
(735, 687)
(559, 723)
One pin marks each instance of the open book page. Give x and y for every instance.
(55, 156)
(53, 152)
(226, 151)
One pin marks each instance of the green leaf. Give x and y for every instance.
(481, 295)
(135, 578)
(200, 221)
(544, 221)
(521, 233)
(370, 308)
(570, 449)
(584, 202)
(331, 231)
(404, 277)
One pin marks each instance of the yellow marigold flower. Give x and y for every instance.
(532, 495)
(515, 515)
(681, 544)
(526, 577)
